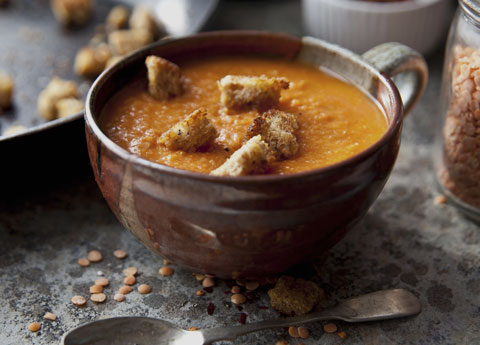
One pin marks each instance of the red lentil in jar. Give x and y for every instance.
(458, 136)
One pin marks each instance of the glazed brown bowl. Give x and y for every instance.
(250, 226)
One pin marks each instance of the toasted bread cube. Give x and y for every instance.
(142, 19)
(122, 42)
(14, 129)
(117, 18)
(90, 61)
(191, 134)
(6, 91)
(56, 90)
(248, 159)
(72, 12)
(69, 106)
(163, 77)
(277, 130)
(240, 92)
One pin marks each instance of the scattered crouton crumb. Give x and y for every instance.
(69, 106)
(277, 130)
(248, 159)
(142, 19)
(50, 316)
(117, 18)
(123, 42)
(191, 134)
(330, 328)
(72, 12)
(6, 91)
(56, 90)
(90, 61)
(292, 296)
(240, 92)
(440, 200)
(163, 77)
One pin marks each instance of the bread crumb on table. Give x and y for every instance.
(117, 18)
(72, 12)
(293, 296)
(56, 90)
(123, 42)
(241, 92)
(142, 19)
(90, 61)
(6, 91)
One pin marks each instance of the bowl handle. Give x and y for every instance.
(405, 66)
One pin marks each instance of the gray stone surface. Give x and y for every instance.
(404, 241)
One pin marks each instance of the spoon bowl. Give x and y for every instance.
(380, 305)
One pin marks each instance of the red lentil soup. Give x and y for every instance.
(336, 119)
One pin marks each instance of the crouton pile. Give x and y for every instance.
(270, 137)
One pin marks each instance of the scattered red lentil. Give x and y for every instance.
(95, 256)
(79, 300)
(166, 262)
(199, 277)
(34, 326)
(120, 254)
(193, 328)
(102, 281)
(281, 342)
(238, 298)
(330, 328)
(166, 271)
(293, 331)
(236, 289)
(96, 288)
(303, 332)
(144, 289)
(50, 316)
(342, 335)
(129, 280)
(210, 308)
(98, 297)
(208, 282)
(240, 282)
(125, 290)
(119, 297)
(84, 262)
(199, 293)
(130, 271)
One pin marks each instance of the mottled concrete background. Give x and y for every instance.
(404, 241)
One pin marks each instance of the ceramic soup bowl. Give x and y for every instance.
(252, 226)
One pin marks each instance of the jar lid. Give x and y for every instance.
(472, 8)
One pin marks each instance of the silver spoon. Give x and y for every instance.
(380, 305)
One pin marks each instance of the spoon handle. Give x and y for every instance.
(380, 305)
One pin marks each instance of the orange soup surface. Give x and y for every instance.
(336, 119)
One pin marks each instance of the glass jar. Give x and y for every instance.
(457, 160)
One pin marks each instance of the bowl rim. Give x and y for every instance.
(91, 122)
(381, 7)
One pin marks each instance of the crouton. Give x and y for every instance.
(6, 91)
(69, 106)
(191, 134)
(117, 18)
(277, 130)
(72, 12)
(90, 61)
(142, 19)
(248, 159)
(240, 92)
(123, 42)
(163, 77)
(56, 90)
(292, 296)
(14, 129)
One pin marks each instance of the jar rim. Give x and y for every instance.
(471, 8)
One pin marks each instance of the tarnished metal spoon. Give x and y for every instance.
(380, 305)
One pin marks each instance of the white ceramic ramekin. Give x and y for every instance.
(360, 25)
